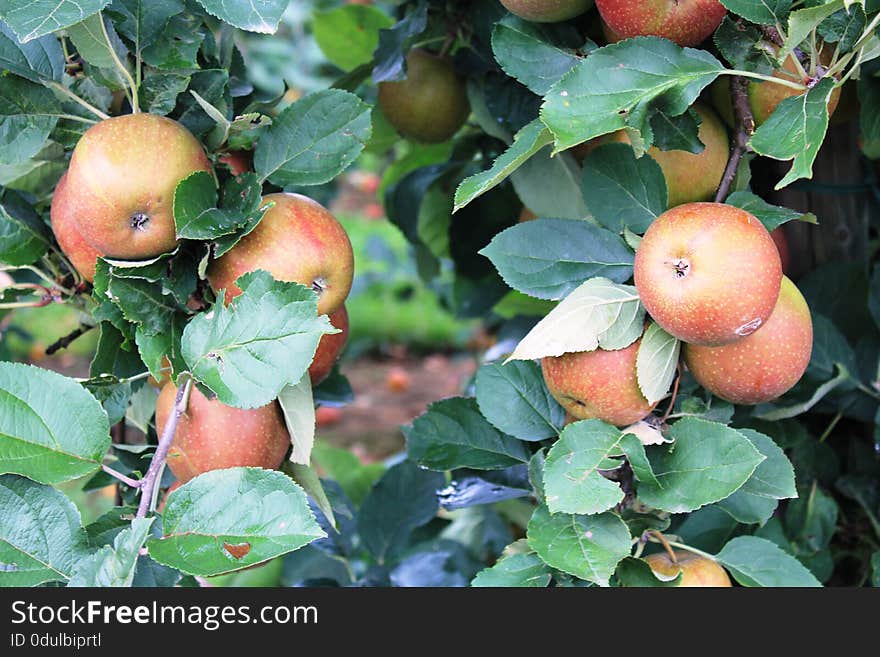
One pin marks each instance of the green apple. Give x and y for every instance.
(547, 11)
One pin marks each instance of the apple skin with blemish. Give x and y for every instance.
(766, 364)
(708, 273)
(298, 241)
(696, 571)
(82, 255)
(121, 182)
(598, 384)
(686, 22)
(212, 436)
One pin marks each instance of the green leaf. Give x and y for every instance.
(656, 362)
(144, 21)
(394, 43)
(308, 478)
(678, 133)
(247, 352)
(803, 21)
(227, 520)
(757, 562)
(763, 12)
(621, 191)
(256, 16)
(28, 114)
(573, 482)
(772, 216)
(772, 480)
(41, 536)
(452, 434)
(550, 185)
(348, 35)
(97, 48)
(514, 398)
(314, 140)
(113, 566)
(589, 547)
(24, 238)
(51, 429)
(588, 102)
(523, 53)
(707, 462)
(36, 18)
(795, 131)
(298, 407)
(598, 313)
(528, 141)
(38, 60)
(402, 500)
(346, 469)
(517, 570)
(548, 258)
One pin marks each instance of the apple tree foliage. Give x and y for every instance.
(494, 489)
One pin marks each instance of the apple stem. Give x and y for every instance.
(682, 546)
(765, 78)
(128, 481)
(745, 126)
(661, 539)
(674, 395)
(150, 482)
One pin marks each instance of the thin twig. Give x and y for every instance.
(744, 121)
(60, 88)
(128, 481)
(150, 483)
(661, 539)
(65, 342)
(674, 395)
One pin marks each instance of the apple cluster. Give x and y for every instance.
(116, 201)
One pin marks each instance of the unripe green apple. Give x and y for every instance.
(766, 364)
(708, 273)
(687, 22)
(299, 241)
(329, 348)
(82, 255)
(547, 11)
(122, 178)
(598, 384)
(765, 96)
(431, 104)
(689, 177)
(696, 571)
(213, 436)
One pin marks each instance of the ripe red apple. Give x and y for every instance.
(82, 255)
(687, 22)
(122, 178)
(708, 273)
(329, 348)
(695, 569)
(547, 11)
(598, 384)
(766, 364)
(239, 162)
(431, 104)
(213, 436)
(327, 416)
(398, 380)
(689, 177)
(298, 241)
(781, 242)
(765, 96)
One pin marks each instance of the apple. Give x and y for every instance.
(687, 22)
(766, 364)
(238, 162)
(781, 242)
(547, 11)
(398, 380)
(329, 348)
(431, 104)
(689, 177)
(327, 416)
(298, 240)
(598, 384)
(213, 436)
(708, 273)
(82, 255)
(695, 570)
(122, 178)
(765, 96)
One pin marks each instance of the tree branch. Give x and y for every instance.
(150, 482)
(67, 340)
(744, 122)
(128, 481)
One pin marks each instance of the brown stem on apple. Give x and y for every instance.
(67, 340)
(745, 127)
(674, 395)
(150, 482)
(661, 539)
